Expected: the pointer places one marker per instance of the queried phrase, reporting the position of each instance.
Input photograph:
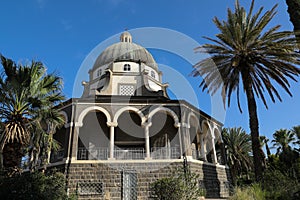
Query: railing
(57, 156)
(165, 153)
(92, 154)
(128, 154)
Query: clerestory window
(152, 74)
(127, 67)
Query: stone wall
(104, 180)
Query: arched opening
(60, 145)
(219, 146)
(194, 131)
(60, 138)
(203, 143)
(129, 137)
(164, 137)
(93, 140)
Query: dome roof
(125, 51)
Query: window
(127, 67)
(99, 72)
(90, 187)
(127, 90)
(152, 74)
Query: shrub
(179, 186)
(33, 186)
(252, 192)
(280, 186)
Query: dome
(125, 51)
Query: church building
(124, 132)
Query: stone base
(108, 178)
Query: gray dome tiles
(125, 51)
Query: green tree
(42, 140)
(27, 93)
(264, 142)
(238, 149)
(34, 186)
(246, 55)
(296, 132)
(282, 140)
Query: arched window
(127, 67)
(152, 74)
(99, 72)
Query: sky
(63, 33)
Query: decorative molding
(130, 108)
(92, 108)
(146, 124)
(112, 124)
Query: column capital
(146, 124)
(77, 124)
(177, 125)
(112, 124)
(185, 125)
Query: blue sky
(62, 33)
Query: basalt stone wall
(106, 181)
(215, 179)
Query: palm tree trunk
(12, 155)
(294, 12)
(253, 122)
(267, 149)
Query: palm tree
(282, 140)
(26, 94)
(294, 12)
(245, 54)
(238, 149)
(43, 142)
(264, 142)
(296, 132)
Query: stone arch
(93, 108)
(128, 108)
(206, 128)
(164, 134)
(168, 111)
(129, 134)
(93, 133)
(193, 138)
(219, 145)
(217, 134)
(204, 143)
(60, 136)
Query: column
(186, 139)
(180, 138)
(147, 140)
(214, 156)
(112, 126)
(202, 148)
(74, 144)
